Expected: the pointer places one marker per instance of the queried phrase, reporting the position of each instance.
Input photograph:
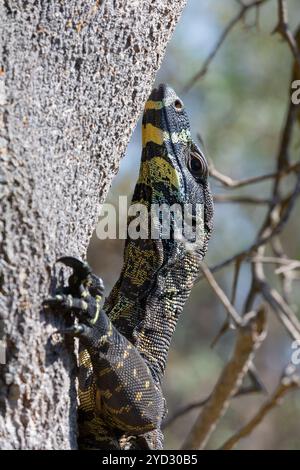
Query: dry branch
(283, 29)
(232, 23)
(288, 382)
(198, 404)
(225, 198)
(233, 184)
(221, 295)
(278, 213)
(249, 337)
(268, 230)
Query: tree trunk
(74, 78)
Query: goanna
(124, 344)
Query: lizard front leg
(125, 394)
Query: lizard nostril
(178, 105)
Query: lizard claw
(75, 330)
(67, 302)
(82, 274)
(82, 269)
(82, 296)
(84, 332)
(53, 301)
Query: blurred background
(238, 108)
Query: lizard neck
(163, 307)
(148, 316)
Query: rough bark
(74, 77)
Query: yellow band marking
(151, 133)
(158, 169)
(153, 105)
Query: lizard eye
(197, 164)
(178, 104)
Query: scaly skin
(124, 346)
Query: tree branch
(288, 382)
(230, 183)
(198, 404)
(232, 23)
(225, 198)
(283, 29)
(249, 337)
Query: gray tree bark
(74, 77)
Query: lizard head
(173, 168)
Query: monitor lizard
(124, 343)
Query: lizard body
(124, 345)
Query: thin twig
(225, 198)
(285, 314)
(289, 267)
(237, 271)
(277, 215)
(262, 240)
(231, 183)
(240, 15)
(249, 338)
(286, 279)
(283, 29)
(288, 382)
(221, 295)
(198, 404)
(273, 260)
